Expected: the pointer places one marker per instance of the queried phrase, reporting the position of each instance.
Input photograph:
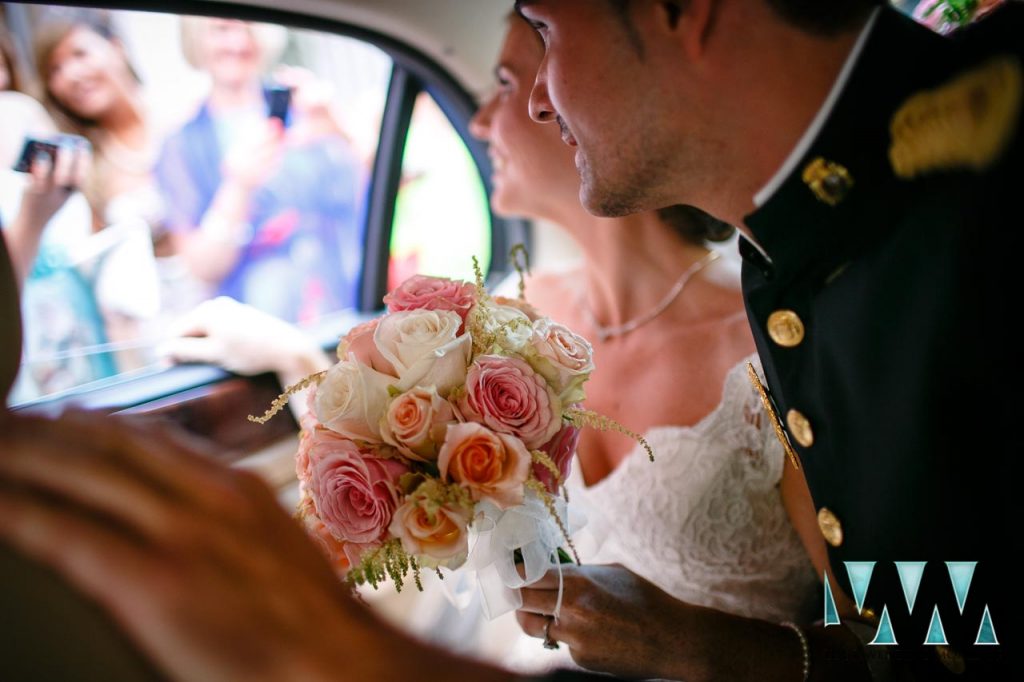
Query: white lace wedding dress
(704, 521)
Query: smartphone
(279, 98)
(34, 146)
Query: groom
(868, 164)
(871, 167)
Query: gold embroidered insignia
(967, 122)
(780, 432)
(829, 181)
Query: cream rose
(351, 398)
(563, 357)
(492, 466)
(437, 536)
(415, 423)
(425, 348)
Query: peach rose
(425, 348)
(415, 423)
(351, 398)
(354, 492)
(492, 466)
(560, 449)
(564, 358)
(508, 396)
(519, 304)
(421, 292)
(436, 535)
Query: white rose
(424, 348)
(514, 324)
(563, 357)
(351, 399)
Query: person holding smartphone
(249, 211)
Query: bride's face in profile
(533, 171)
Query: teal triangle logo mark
(910, 578)
(831, 612)
(860, 576)
(986, 633)
(936, 633)
(961, 573)
(884, 636)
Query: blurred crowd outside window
(227, 158)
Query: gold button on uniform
(830, 527)
(800, 428)
(786, 328)
(953, 661)
(829, 181)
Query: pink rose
(334, 549)
(359, 342)
(436, 535)
(490, 465)
(564, 358)
(303, 471)
(355, 493)
(507, 396)
(415, 423)
(421, 292)
(560, 449)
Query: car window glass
(243, 172)
(441, 218)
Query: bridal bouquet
(455, 413)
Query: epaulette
(965, 123)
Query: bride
(711, 521)
(719, 525)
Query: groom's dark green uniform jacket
(883, 296)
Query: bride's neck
(630, 263)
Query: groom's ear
(10, 327)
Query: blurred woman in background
(92, 90)
(263, 209)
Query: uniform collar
(794, 228)
(766, 192)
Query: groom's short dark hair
(824, 17)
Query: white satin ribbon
(497, 534)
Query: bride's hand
(616, 621)
(244, 340)
(612, 620)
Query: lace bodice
(705, 520)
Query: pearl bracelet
(804, 646)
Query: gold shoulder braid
(780, 432)
(965, 123)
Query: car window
(442, 219)
(229, 158)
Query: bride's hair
(694, 225)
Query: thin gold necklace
(606, 332)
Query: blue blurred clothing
(304, 256)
